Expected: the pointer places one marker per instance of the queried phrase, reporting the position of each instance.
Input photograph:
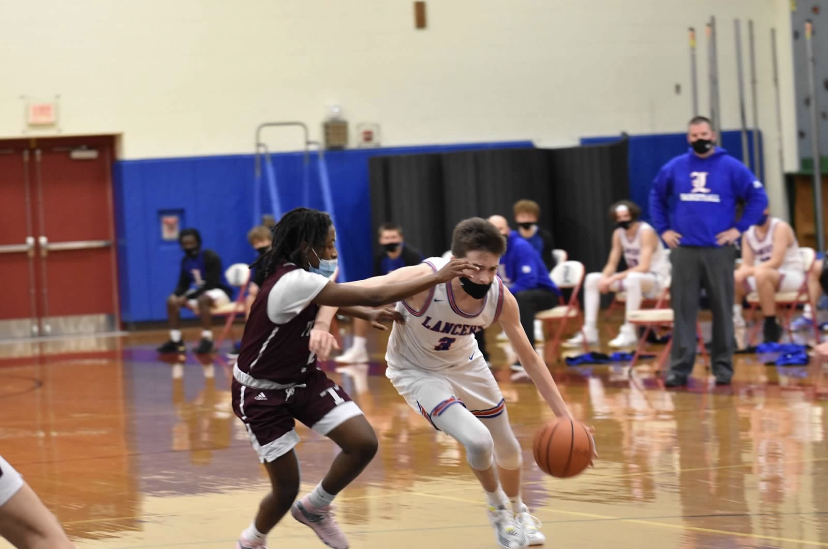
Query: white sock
(320, 498)
(175, 335)
(252, 534)
(359, 343)
(807, 313)
(592, 300)
(737, 310)
(207, 334)
(497, 498)
(517, 504)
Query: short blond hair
(526, 207)
(259, 233)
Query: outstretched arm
(529, 359)
(383, 293)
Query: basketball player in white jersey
(648, 272)
(771, 263)
(434, 363)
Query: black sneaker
(171, 347)
(205, 346)
(771, 331)
(720, 381)
(675, 381)
(234, 354)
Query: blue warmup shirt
(200, 274)
(705, 191)
(522, 268)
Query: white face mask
(326, 268)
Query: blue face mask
(326, 268)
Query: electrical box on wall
(336, 134)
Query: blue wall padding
(648, 153)
(215, 195)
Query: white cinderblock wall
(194, 77)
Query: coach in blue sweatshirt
(524, 273)
(703, 185)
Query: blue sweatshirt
(705, 192)
(522, 268)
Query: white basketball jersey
(659, 262)
(763, 249)
(440, 334)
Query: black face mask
(191, 252)
(477, 291)
(702, 146)
(263, 250)
(623, 224)
(391, 246)
(526, 226)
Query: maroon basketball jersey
(275, 341)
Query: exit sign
(41, 114)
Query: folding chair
(787, 300)
(559, 255)
(567, 274)
(659, 317)
(620, 300)
(238, 276)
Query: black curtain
(428, 194)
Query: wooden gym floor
(131, 452)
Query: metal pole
(711, 74)
(778, 104)
(718, 121)
(809, 48)
(694, 85)
(757, 156)
(740, 76)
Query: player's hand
(728, 237)
(322, 342)
(591, 431)
(454, 268)
(671, 238)
(385, 313)
(604, 284)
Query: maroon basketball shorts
(269, 414)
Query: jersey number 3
(445, 343)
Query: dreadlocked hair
(297, 226)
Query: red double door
(57, 237)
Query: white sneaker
(508, 533)
(353, 355)
(538, 331)
(578, 340)
(626, 338)
(530, 526)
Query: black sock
(771, 330)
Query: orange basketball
(562, 448)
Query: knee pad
(634, 278)
(479, 450)
(592, 279)
(508, 454)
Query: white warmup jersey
(659, 262)
(440, 335)
(763, 249)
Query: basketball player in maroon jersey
(276, 379)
